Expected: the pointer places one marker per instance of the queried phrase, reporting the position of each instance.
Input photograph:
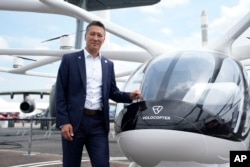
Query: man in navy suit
(85, 83)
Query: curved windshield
(172, 77)
(194, 77)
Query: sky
(175, 23)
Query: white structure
(204, 28)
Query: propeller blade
(51, 39)
(25, 58)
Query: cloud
(162, 5)
(193, 41)
(3, 43)
(24, 42)
(1, 80)
(172, 3)
(229, 17)
(166, 31)
(116, 46)
(153, 20)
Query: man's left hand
(135, 95)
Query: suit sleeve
(115, 93)
(61, 93)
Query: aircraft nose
(162, 115)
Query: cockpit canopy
(194, 77)
(194, 86)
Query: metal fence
(33, 135)
(22, 131)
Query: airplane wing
(28, 105)
(26, 93)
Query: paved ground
(11, 158)
(43, 148)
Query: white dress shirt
(94, 82)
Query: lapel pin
(106, 61)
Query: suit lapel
(82, 67)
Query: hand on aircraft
(135, 95)
(67, 132)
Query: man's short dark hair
(95, 23)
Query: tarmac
(11, 158)
(43, 148)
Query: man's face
(94, 38)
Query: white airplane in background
(27, 109)
(194, 117)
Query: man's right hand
(67, 132)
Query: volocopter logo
(157, 109)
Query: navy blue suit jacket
(71, 89)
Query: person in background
(85, 83)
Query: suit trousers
(91, 134)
